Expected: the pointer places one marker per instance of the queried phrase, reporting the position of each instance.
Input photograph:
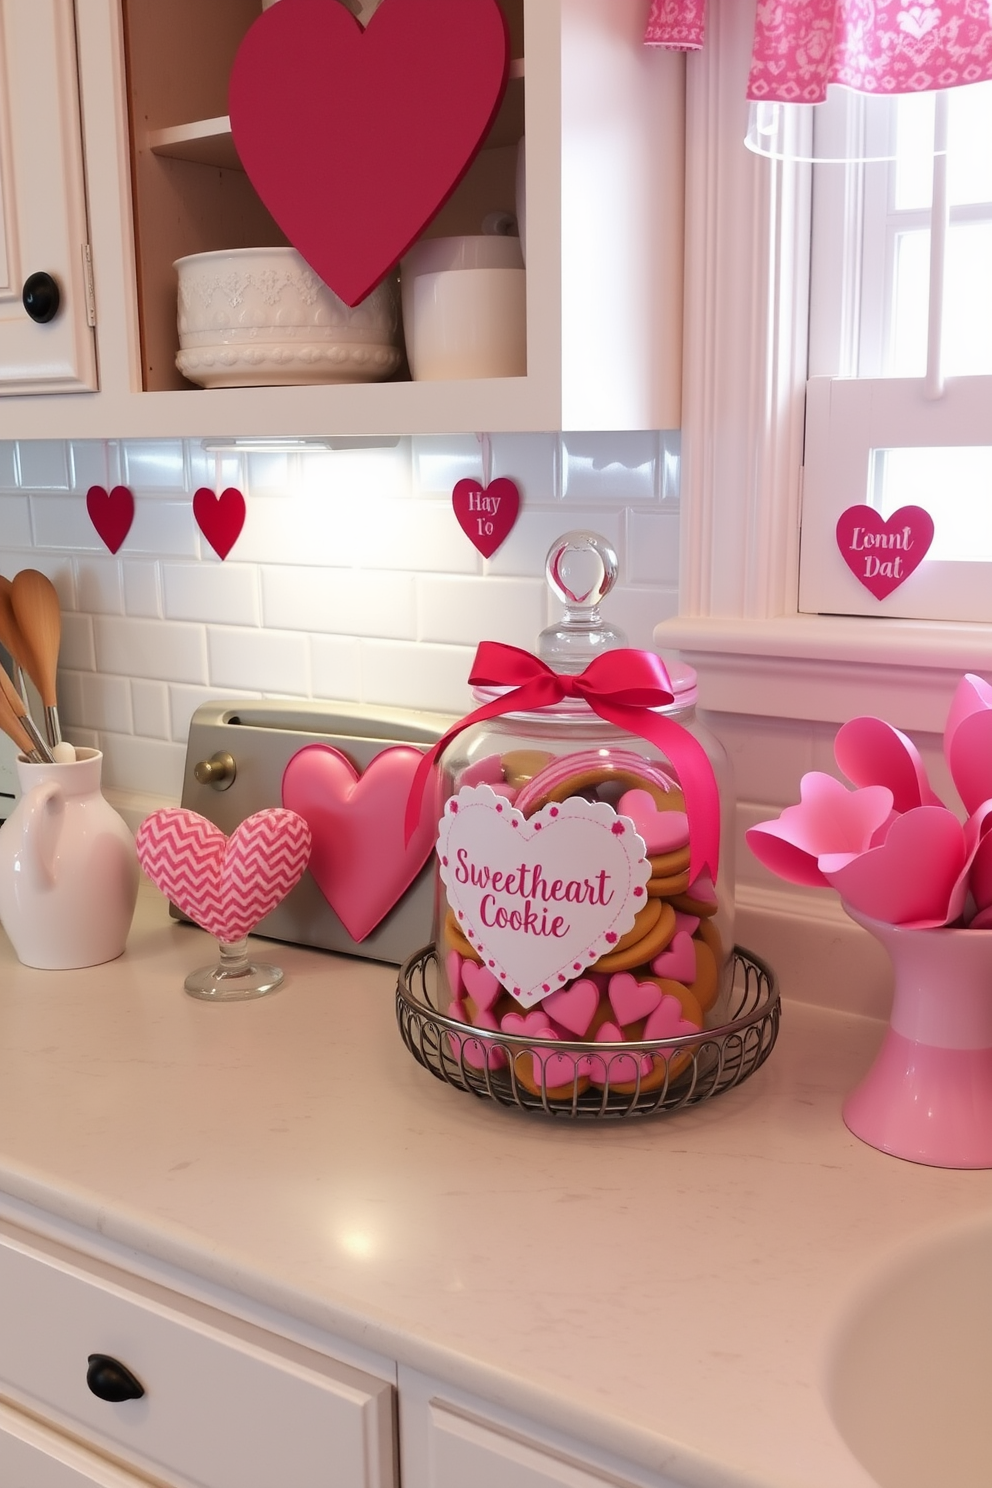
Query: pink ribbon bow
(623, 687)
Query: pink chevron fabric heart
(360, 860)
(224, 884)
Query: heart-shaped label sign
(360, 860)
(486, 513)
(225, 884)
(540, 897)
(220, 518)
(882, 554)
(355, 138)
(111, 513)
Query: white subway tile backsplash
(638, 611)
(94, 462)
(77, 649)
(154, 465)
(63, 522)
(524, 551)
(652, 548)
(165, 529)
(467, 611)
(422, 536)
(15, 524)
(145, 765)
(416, 675)
(42, 465)
(532, 461)
(336, 668)
(225, 593)
(150, 709)
(214, 469)
(99, 586)
(106, 703)
(8, 465)
(611, 467)
(142, 588)
(270, 661)
(439, 462)
(296, 530)
(345, 601)
(70, 698)
(166, 650)
(357, 475)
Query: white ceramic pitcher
(68, 868)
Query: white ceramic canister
(68, 868)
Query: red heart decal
(360, 861)
(355, 138)
(486, 513)
(882, 555)
(220, 518)
(111, 513)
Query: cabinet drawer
(225, 1405)
(33, 1457)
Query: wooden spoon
(10, 635)
(12, 726)
(38, 749)
(39, 618)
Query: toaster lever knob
(219, 771)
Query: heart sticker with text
(111, 513)
(882, 554)
(355, 138)
(220, 518)
(541, 897)
(486, 513)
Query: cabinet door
(42, 200)
(33, 1457)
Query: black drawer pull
(111, 1380)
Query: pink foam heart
(618, 1069)
(830, 819)
(663, 831)
(354, 139)
(111, 513)
(573, 1007)
(678, 963)
(481, 985)
(631, 999)
(872, 752)
(225, 884)
(915, 877)
(667, 1021)
(219, 518)
(486, 513)
(882, 554)
(360, 861)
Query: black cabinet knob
(111, 1380)
(40, 297)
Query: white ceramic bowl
(257, 316)
(464, 323)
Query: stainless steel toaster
(235, 759)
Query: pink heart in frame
(111, 513)
(486, 514)
(882, 554)
(219, 518)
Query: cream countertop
(663, 1289)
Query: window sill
(829, 668)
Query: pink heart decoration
(882, 554)
(829, 820)
(968, 741)
(872, 752)
(573, 1007)
(619, 1069)
(481, 985)
(476, 1052)
(667, 1022)
(225, 884)
(220, 518)
(678, 963)
(631, 999)
(915, 877)
(354, 139)
(111, 513)
(360, 861)
(552, 1071)
(486, 514)
(663, 831)
(528, 1025)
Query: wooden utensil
(37, 612)
(10, 636)
(38, 749)
(12, 726)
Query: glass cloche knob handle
(581, 569)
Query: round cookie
(521, 765)
(655, 941)
(706, 930)
(665, 864)
(644, 922)
(666, 888)
(703, 908)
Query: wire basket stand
(696, 1067)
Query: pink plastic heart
(663, 831)
(111, 513)
(224, 884)
(219, 518)
(872, 752)
(480, 984)
(573, 1007)
(486, 514)
(631, 999)
(360, 861)
(915, 877)
(354, 139)
(678, 963)
(882, 554)
(830, 819)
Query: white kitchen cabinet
(32, 1456)
(602, 116)
(42, 203)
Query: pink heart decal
(914, 877)
(220, 518)
(360, 861)
(663, 831)
(573, 1007)
(631, 999)
(354, 139)
(678, 963)
(481, 985)
(882, 554)
(225, 884)
(486, 513)
(111, 513)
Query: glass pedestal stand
(235, 978)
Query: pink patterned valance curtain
(873, 46)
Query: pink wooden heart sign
(111, 513)
(360, 860)
(219, 518)
(486, 513)
(355, 138)
(882, 554)
(225, 884)
(540, 897)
